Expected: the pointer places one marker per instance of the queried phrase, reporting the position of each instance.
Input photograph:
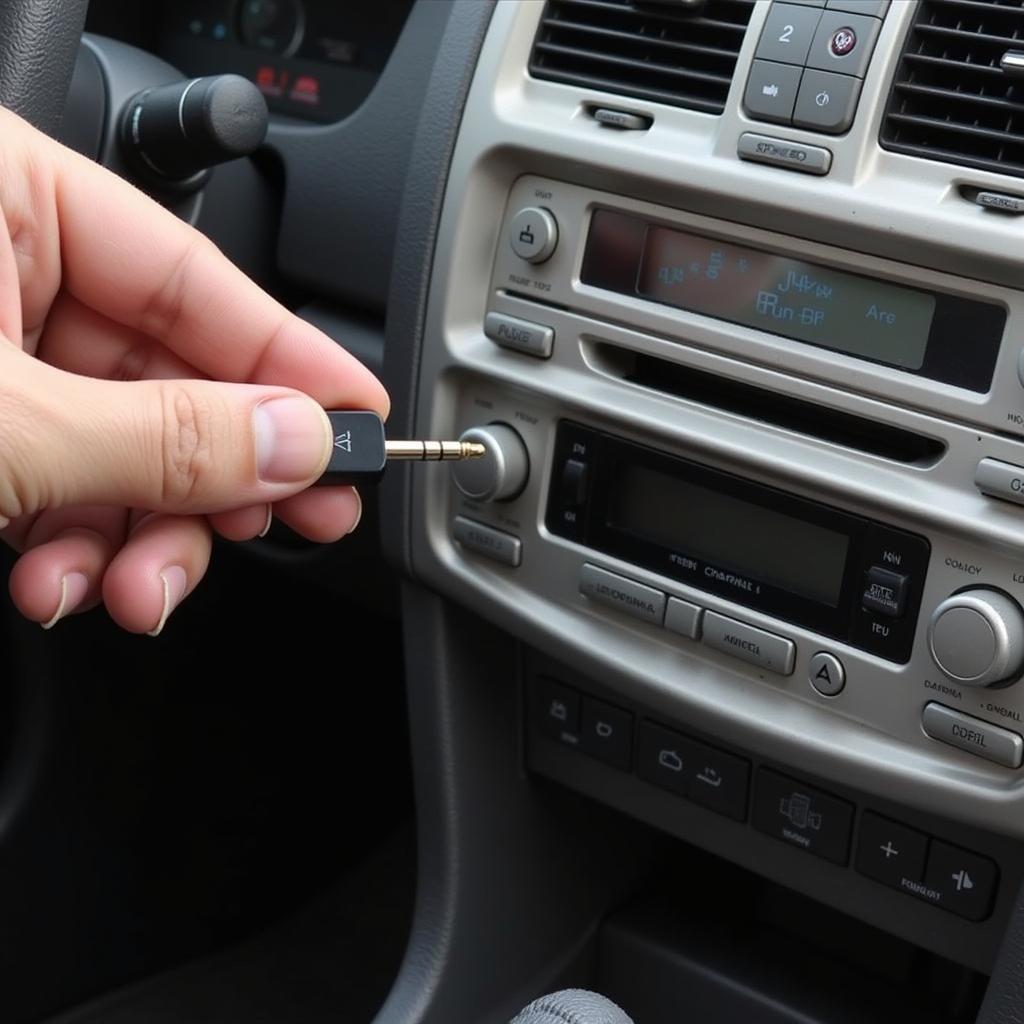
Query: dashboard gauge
(275, 26)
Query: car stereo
(800, 561)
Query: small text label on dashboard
(1001, 711)
(944, 688)
(965, 567)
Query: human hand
(150, 393)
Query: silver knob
(533, 234)
(502, 473)
(977, 637)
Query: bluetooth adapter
(360, 452)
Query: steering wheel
(38, 47)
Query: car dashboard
(717, 653)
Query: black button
(556, 710)
(885, 592)
(718, 780)
(960, 881)
(575, 478)
(664, 757)
(802, 816)
(890, 853)
(607, 733)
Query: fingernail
(73, 588)
(291, 440)
(175, 581)
(268, 523)
(359, 511)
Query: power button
(533, 234)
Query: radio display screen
(852, 314)
(800, 557)
(933, 334)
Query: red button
(843, 42)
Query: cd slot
(764, 406)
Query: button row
(783, 807)
(785, 94)
(831, 40)
(710, 777)
(810, 63)
(757, 646)
(594, 726)
(905, 859)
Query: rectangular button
(1001, 201)
(620, 119)
(959, 881)
(1000, 480)
(607, 733)
(717, 780)
(843, 43)
(759, 647)
(521, 335)
(802, 816)
(683, 618)
(771, 91)
(826, 102)
(870, 8)
(794, 156)
(555, 710)
(885, 592)
(787, 33)
(575, 481)
(663, 757)
(486, 540)
(624, 595)
(973, 735)
(890, 853)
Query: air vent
(950, 99)
(674, 53)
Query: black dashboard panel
(312, 59)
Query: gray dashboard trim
(426, 182)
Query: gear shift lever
(572, 1006)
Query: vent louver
(950, 99)
(655, 51)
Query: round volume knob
(533, 234)
(502, 473)
(977, 637)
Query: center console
(750, 375)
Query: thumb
(187, 446)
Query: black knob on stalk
(173, 134)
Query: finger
(173, 446)
(243, 523)
(31, 247)
(80, 340)
(31, 531)
(61, 576)
(156, 569)
(323, 515)
(131, 260)
(10, 289)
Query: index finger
(127, 257)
